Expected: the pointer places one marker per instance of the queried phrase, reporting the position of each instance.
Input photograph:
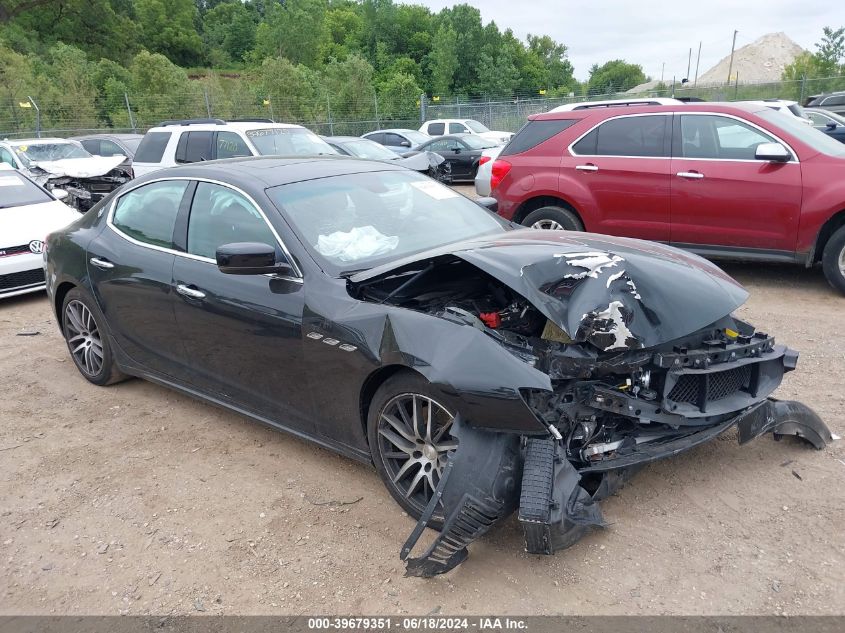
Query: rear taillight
(483, 159)
(500, 170)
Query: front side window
(710, 136)
(365, 148)
(92, 145)
(395, 140)
(457, 128)
(818, 119)
(17, 191)
(110, 148)
(640, 136)
(438, 146)
(357, 221)
(231, 145)
(220, 215)
(148, 213)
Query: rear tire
(833, 260)
(408, 454)
(553, 218)
(84, 329)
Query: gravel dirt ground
(136, 499)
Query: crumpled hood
(616, 293)
(80, 167)
(421, 161)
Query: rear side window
(92, 145)
(535, 132)
(194, 147)
(436, 129)
(627, 136)
(152, 147)
(17, 191)
(148, 213)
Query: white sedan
(485, 170)
(28, 213)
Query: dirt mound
(761, 61)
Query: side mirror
(772, 152)
(60, 194)
(249, 258)
(457, 150)
(405, 144)
(831, 125)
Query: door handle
(101, 263)
(187, 291)
(690, 174)
(587, 167)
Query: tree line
(301, 58)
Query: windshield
(357, 221)
(366, 148)
(415, 137)
(288, 141)
(49, 151)
(816, 139)
(797, 110)
(132, 143)
(476, 126)
(17, 191)
(476, 142)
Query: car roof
(241, 126)
(123, 136)
(343, 139)
(37, 141)
(447, 120)
(397, 130)
(706, 106)
(262, 172)
(587, 105)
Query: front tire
(408, 432)
(833, 260)
(83, 326)
(553, 218)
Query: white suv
(178, 142)
(439, 127)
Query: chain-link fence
(26, 115)
(509, 114)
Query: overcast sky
(648, 32)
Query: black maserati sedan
(480, 366)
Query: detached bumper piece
(478, 488)
(488, 476)
(554, 510)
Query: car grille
(14, 250)
(718, 384)
(15, 281)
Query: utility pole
(731, 65)
(689, 62)
(662, 69)
(697, 61)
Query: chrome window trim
(794, 154)
(281, 244)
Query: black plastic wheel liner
(479, 487)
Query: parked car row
(738, 180)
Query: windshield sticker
(23, 148)
(10, 181)
(435, 190)
(273, 131)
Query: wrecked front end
(644, 360)
(86, 180)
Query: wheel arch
(833, 224)
(537, 202)
(58, 301)
(371, 385)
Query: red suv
(721, 180)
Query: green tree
(294, 30)
(399, 97)
(831, 51)
(614, 76)
(552, 57)
(161, 90)
(168, 27)
(229, 28)
(443, 61)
